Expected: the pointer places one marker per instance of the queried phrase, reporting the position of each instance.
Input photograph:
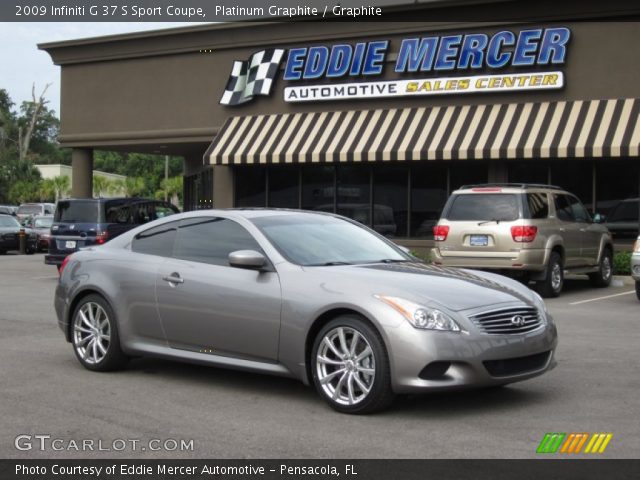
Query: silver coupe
(313, 296)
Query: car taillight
(440, 233)
(102, 237)
(524, 234)
(63, 264)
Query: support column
(82, 173)
(223, 185)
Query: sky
(22, 63)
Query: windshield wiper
(328, 264)
(393, 260)
(497, 220)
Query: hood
(455, 289)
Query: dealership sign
(431, 65)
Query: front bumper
(523, 260)
(424, 360)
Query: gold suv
(535, 232)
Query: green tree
(61, 187)
(173, 188)
(101, 185)
(134, 186)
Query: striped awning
(575, 129)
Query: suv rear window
(30, 209)
(491, 206)
(78, 211)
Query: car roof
(508, 188)
(256, 212)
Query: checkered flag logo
(252, 77)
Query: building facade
(377, 121)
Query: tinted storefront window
(533, 171)
(284, 187)
(318, 188)
(354, 193)
(250, 183)
(576, 177)
(468, 172)
(390, 200)
(428, 196)
(618, 196)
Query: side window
(119, 214)
(164, 210)
(564, 211)
(538, 205)
(211, 240)
(156, 241)
(579, 212)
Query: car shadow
(440, 404)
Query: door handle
(173, 278)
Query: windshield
(8, 222)
(472, 207)
(29, 209)
(313, 240)
(77, 212)
(43, 222)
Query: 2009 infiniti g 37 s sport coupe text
(307, 295)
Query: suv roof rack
(512, 185)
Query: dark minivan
(93, 221)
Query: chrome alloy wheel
(345, 366)
(606, 268)
(91, 333)
(556, 276)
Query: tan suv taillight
(524, 234)
(440, 233)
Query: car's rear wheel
(94, 334)
(350, 366)
(552, 284)
(602, 278)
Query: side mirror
(249, 259)
(599, 218)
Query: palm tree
(101, 185)
(134, 186)
(173, 189)
(60, 186)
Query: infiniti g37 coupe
(312, 296)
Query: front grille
(515, 366)
(508, 320)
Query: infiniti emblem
(517, 320)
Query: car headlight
(420, 316)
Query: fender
(553, 241)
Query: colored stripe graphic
(572, 443)
(550, 442)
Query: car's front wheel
(350, 366)
(94, 334)
(602, 278)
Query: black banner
(320, 469)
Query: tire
(3, 252)
(552, 284)
(365, 384)
(638, 289)
(103, 354)
(602, 278)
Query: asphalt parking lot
(228, 414)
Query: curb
(622, 280)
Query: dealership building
(378, 121)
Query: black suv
(93, 221)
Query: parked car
(10, 235)
(31, 209)
(635, 265)
(538, 232)
(623, 220)
(8, 210)
(313, 296)
(83, 222)
(41, 225)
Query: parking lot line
(602, 298)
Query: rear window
(78, 212)
(8, 222)
(30, 209)
(43, 222)
(479, 207)
(538, 204)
